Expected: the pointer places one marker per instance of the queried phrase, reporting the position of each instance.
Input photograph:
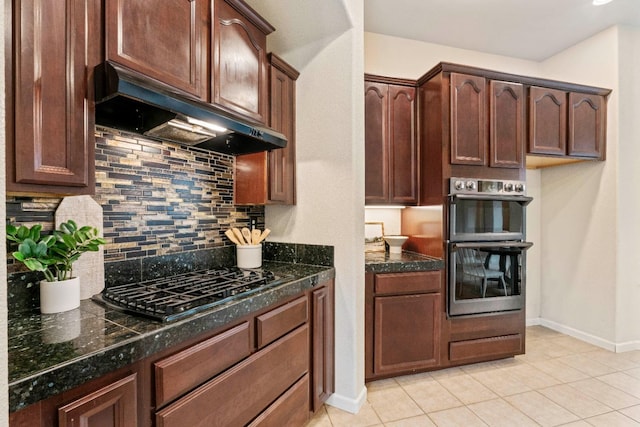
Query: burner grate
(177, 296)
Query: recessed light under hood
(129, 101)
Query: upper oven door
(482, 217)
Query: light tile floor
(559, 381)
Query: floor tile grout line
(541, 342)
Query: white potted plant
(54, 255)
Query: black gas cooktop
(171, 298)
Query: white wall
(580, 227)
(4, 390)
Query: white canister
(249, 256)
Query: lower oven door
(486, 277)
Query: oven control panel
(486, 186)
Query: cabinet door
(166, 41)
(506, 130)
(403, 176)
(406, 332)
(468, 125)
(587, 119)
(270, 177)
(547, 121)
(376, 162)
(53, 119)
(239, 75)
(322, 381)
(112, 406)
(282, 162)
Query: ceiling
(527, 29)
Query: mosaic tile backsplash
(157, 199)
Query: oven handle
(507, 245)
(523, 200)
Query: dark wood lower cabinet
(322, 324)
(109, 401)
(402, 316)
(407, 328)
(407, 333)
(289, 410)
(271, 368)
(237, 396)
(114, 405)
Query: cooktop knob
(471, 185)
(520, 188)
(509, 186)
(459, 185)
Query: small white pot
(56, 297)
(249, 256)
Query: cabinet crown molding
(447, 67)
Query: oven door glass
(482, 217)
(486, 277)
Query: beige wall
(397, 57)
(579, 274)
(628, 260)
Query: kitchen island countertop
(384, 262)
(49, 354)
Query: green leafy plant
(53, 254)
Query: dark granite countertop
(384, 262)
(49, 354)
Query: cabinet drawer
(506, 345)
(292, 408)
(189, 368)
(277, 322)
(402, 283)
(241, 393)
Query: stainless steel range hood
(128, 101)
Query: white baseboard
(347, 404)
(533, 322)
(627, 346)
(586, 337)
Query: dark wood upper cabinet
(587, 125)
(468, 123)
(166, 41)
(547, 121)
(567, 123)
(270, 177)
(282, 162)
(50, 116)
(391, 174)
(506, 129)
(376, 123)
(403, 175)
(239, 76)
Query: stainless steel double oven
(486, 246)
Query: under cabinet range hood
(129, 101)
